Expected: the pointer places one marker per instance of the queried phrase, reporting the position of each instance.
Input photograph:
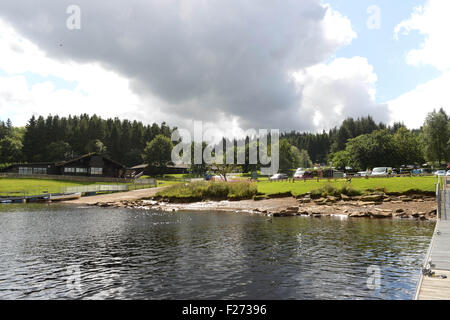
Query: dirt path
(113, 197)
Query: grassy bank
(36, 186)
(202, 190)
(32, 186)
(388, 185)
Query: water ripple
(57, 252)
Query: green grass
(32, 186)
(202, 190)
(36, 186)
(389, 185)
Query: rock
(407, 199)
(305, 200)
(285, 213)
(383, 210)
(316, 215)
(372, 198)
(303, 213)
(400, 215)
(380, 214)
(359, 214)
(396, 201)
(345, 197)
(387, 199)
(415, 214)
(331, 198)
(399, 210)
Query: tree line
(359, 143)
(56, 139)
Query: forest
(361, 142)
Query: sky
(302, 65)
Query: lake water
(65, 252)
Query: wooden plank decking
(436, 287)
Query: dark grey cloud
(205, 59)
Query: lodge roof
(63, 163)
(178, 166)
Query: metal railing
(96, 188)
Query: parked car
(362, 174)
(299, 174)
(279, 176)
(381, 171)
(439, 173)
(448, 173)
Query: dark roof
(178, 166)
(63, 163)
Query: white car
(440, 173)
(362, 173)
(279, 176)
(299, 174)
(448, 173)
(381, 171)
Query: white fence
(149, 181)
(97, 188)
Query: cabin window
(97, 171)
(40, 170)
(69, 170)
(24, 170)
(81, 170)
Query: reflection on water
(62, 252)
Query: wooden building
(89, 165)
(171, 169)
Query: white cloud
(412, 107)
(228, 66)
(431, 21)
(343, 88)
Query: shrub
(210, 190)
(331, 190)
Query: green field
(36, 186)
(17, 187)
(389, 185)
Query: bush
(331, 190)
(202, 190)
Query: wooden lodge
(171, 169)
(89, 165)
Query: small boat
(65, 196)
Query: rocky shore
(374, 206)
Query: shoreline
(418, 207)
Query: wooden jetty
(434, 283)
